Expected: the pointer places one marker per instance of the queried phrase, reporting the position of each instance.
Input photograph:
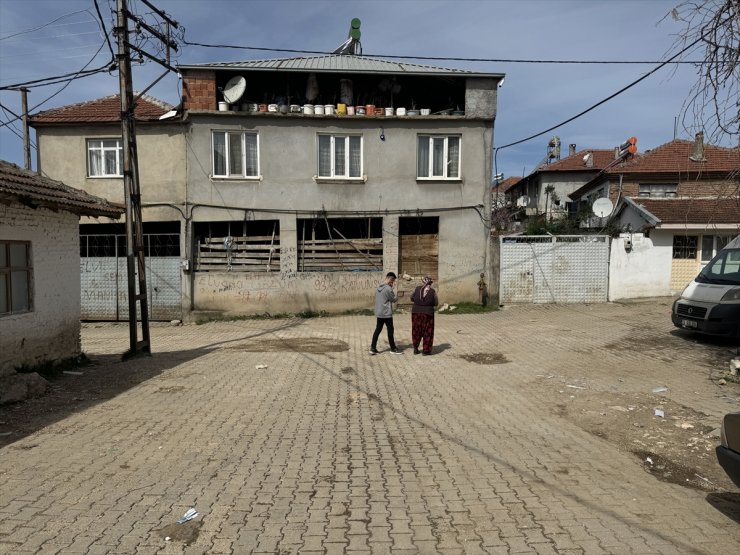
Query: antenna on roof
(352, 45)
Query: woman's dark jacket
(423, 305)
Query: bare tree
(712, 104)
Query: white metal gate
(104, 283)
(554, 269)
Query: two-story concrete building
(295, 184)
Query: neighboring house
(81, 145)
(679, 204)
(501, 204)
(279, 208)
(530, 195)
(40, 266)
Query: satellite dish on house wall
(602, 207)
(234, 89)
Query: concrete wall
(161, 154)
(288, 165)
(52, 330)
(644, 271)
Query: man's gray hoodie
(384, 296)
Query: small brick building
(40, 266)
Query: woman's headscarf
(427, 281)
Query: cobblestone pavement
(330, 450)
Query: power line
(58, 78)
(105, 31)
(435, 58)
(44, 25)
(594, 106)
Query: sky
(43, 38)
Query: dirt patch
(314, 345)
(486, 358)
(348, 370)
(187, 532)
(171, 389)
(669, 471)
(681, 447)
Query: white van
(711, 302)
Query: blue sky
(534, 97)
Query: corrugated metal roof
(33, 189)
(340, 64)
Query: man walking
(384, 299)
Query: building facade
(286, 198)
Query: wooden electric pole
(134, 229)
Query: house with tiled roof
(545, 191)
(295, 184)
(81, 145)
(40, 267)
(681, 200)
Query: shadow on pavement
(726, 503)
(105, 378)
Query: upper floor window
(658, 190)
(15, 277)
(340, 156)
(104, 158)
(438, 157)
(235, 154)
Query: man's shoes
(396, 352)
(416, 351)
(373, 351)
(426, 353)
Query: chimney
(589, 159)
(571, 149)
(616, 152)
(698, 154)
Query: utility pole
(26, 137)
(135, 261)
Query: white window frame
(445, 161)
(227, 161)
(332, 146)
(100, 147)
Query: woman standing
(422, 316)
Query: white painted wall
(52, 330)
(644, 271)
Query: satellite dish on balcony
(234, 89)
(602, 207)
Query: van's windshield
(723, 269)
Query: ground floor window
(340, 244)
(712, 244)
(16, 274)
(239, 246)
(684, 247)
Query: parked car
(728, 452)
(710, 304)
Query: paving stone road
(329, 450)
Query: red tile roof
(673, 157)
(575, 162)
(102, 110)
(35, 190)
(505, 185)
(693, 211)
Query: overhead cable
(437, 58)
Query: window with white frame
(15, 277)
(438, 157)
(104, 158)
(658, 190)
(235, 154)
(340, 156)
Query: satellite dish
(234, 89)
(602, 207)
